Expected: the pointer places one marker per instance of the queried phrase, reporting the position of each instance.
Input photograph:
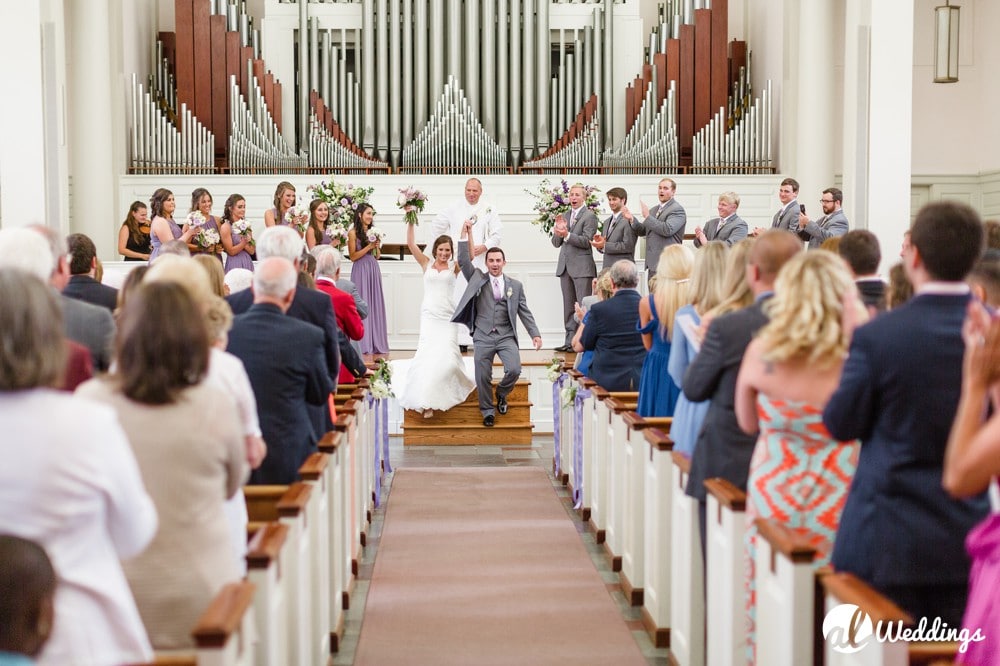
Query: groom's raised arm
(465, 252)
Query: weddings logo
(849, 629)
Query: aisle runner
(483, 566)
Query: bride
(437, 377)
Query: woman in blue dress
(657, 391)
(707, 278)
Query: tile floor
(538, 454)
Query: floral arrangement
(195, 219)
(297, 217)
(380, 384)
(567, 395)
(410, 196)
(553, 201)
(207, 238)
(242, 227)
(343, 200)
(554, 369)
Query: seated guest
(82, 284)
(187, 439)
(175, 246)
(602, 291)
(349, 287)
(900, 531)
(132, 281)
(286, 377)
(348, 320)
(984, 279)
(799, 475)
(706, 292)
(612, 331)
(213, 271)
(657, 391)
(70, 484)
(89, 325)
(27, 600)
(238, 279)
(860, 249)
(900, 288)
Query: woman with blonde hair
(603, 290)
(706, 293)
(657, 391)
(736, 292)
(798, 473)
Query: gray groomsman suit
(620, 239)
(576, 268)
(734, 229)
(664, 226)
(787, 218)
(828, 226)
(493, 324)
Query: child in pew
(798, 474)
(27, 600)
(189, 446)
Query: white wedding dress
(437, 377)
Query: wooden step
(464, 413)
(509, 432)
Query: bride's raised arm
(415, 250)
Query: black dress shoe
(463, 348)
(564, 348)
(488, 421)
(502, 404)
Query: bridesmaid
(133, 236)
(163, 229)
(238, 246)
(284, 198)
(201, 201)
(367, 276)
(318, 231)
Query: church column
(91, 125)
(878, 119)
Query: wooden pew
(315, 472)
(268, 550)
(725, 573)
(289, 505)
(618, 405)
(569, 426)
(339, 536)
(599, 478)
(844, 588)
(565, 431)
(588, 425)
(657, 514)
(687, 587)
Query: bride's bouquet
(552, 202)
(297, 217)
(410, 196)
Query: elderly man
(613, 335)
(572, 234)
(284, 360)
(728, 227)
(344, 307)
(662, 225)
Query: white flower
(196, 219)
(567, 395)
(241, 226)
(374, 233)
(379, 388)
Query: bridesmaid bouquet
(208, 239)
(297, 217)
(410, 196)
(375, 234)
(195, 219)
(552, 202)
(242, 227)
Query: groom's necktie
(496, 288)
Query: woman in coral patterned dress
(799, 475)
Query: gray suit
(576, 268)
(620, 241)
(493, 325)
(734, 230)
(90, 325)
(828, 226)
(664, 226)
(787, 218)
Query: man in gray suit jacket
(490, 306)
(618, 240)
(662, 225)
(728, 227)
(833, 223)
(787, 217)
(576, 268)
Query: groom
(490, 307)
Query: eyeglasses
(826, 200)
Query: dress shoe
(463, 348)
(564, 348)
(488, 421)
(502, 404)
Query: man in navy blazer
(284, 360)
(900, 531)
(612, 333)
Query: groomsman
(662, 225)
(618, 240)
(787, 217)
(575, 269)
(728, 227)
(833, 223)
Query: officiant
(486, 234)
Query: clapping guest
(69, 483)
(657, 391)
(706, 292)
(799, 474)
(612, 332)
(366, 274)
(163, 229)
(133, 235)
(188, 441)
(239, 244)
(603, 290)
(348, 320)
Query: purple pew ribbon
(581, 395)
(556, 413)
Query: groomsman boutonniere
(510, 292)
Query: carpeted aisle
(483, 566)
